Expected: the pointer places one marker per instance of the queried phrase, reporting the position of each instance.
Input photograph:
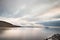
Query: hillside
(6, 24)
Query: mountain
(6, 24)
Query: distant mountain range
(51, 23)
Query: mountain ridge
(7, 24)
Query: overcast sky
(28, 12)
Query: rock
(54, 37)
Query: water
(29, 33)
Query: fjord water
(29, 33)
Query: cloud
(55, 23)
(52, 23)
(17, 8)
(20, 22)
(28, 12)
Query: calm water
(29, 33)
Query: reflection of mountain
(52, 23)
(6, 24)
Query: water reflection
(57, 30)
(29, 33)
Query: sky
(29, 12)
